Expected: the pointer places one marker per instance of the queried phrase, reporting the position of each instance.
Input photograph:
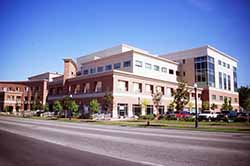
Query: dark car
(242, 117)
(230, 114)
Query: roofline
(134, 51)
(71, 60)
(43, 74)
(202, 47)
(25, 81)
(157, 57)
(223, 53)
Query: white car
(207, 116)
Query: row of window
(108, 67)
(17, 89)
(13, 98)
(221, 98)
(137, 88)
(224, 64)
(149, 66)
(225, 82)
(84, 88)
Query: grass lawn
(171, 124)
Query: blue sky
(36, 35)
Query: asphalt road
(38, 142)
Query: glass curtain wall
(204, 71)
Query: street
(39, 142)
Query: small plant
(94, 106)
(46, 107)
(213, 106)
(205, 105)
(57, 107)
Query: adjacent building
(22, 95)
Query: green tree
(144, 104)
(181, 96)
(213, 106)
(36, 105)
(244, 97)
(205, 105)
(94, 106)
(225, 104)
(70, 105)
(190, 106)
(57, 106)
(73, 107)
(156, 97)
(108, 102)
(171, 106)
(46, 107)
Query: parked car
(208, 116)
(242, 117)
(183, 114)
(230, 114)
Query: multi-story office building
(130, 74)
(212, 70)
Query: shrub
(147, 117)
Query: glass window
(214, 97)
(224, 64)
(204, 71)
(228, 66)
(219, 62)
(85, 72)
(220, 80)
(229, 82)
(123, 85)
(149, 109)
(148, 66)
(100, 69)
(122, 109)
(92, 70)
(149, 88)
(108, 67)
(117, 65)
(136, 109)
(156, 68)
(183, 61)
(171, 71)
(164, 69)
(221, 98)
(138, 63)
(137, 87)
(235, 78)
(225, 81)
(98, 86)
(127, 64)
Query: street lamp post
(196, 109)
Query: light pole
(196, 109)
